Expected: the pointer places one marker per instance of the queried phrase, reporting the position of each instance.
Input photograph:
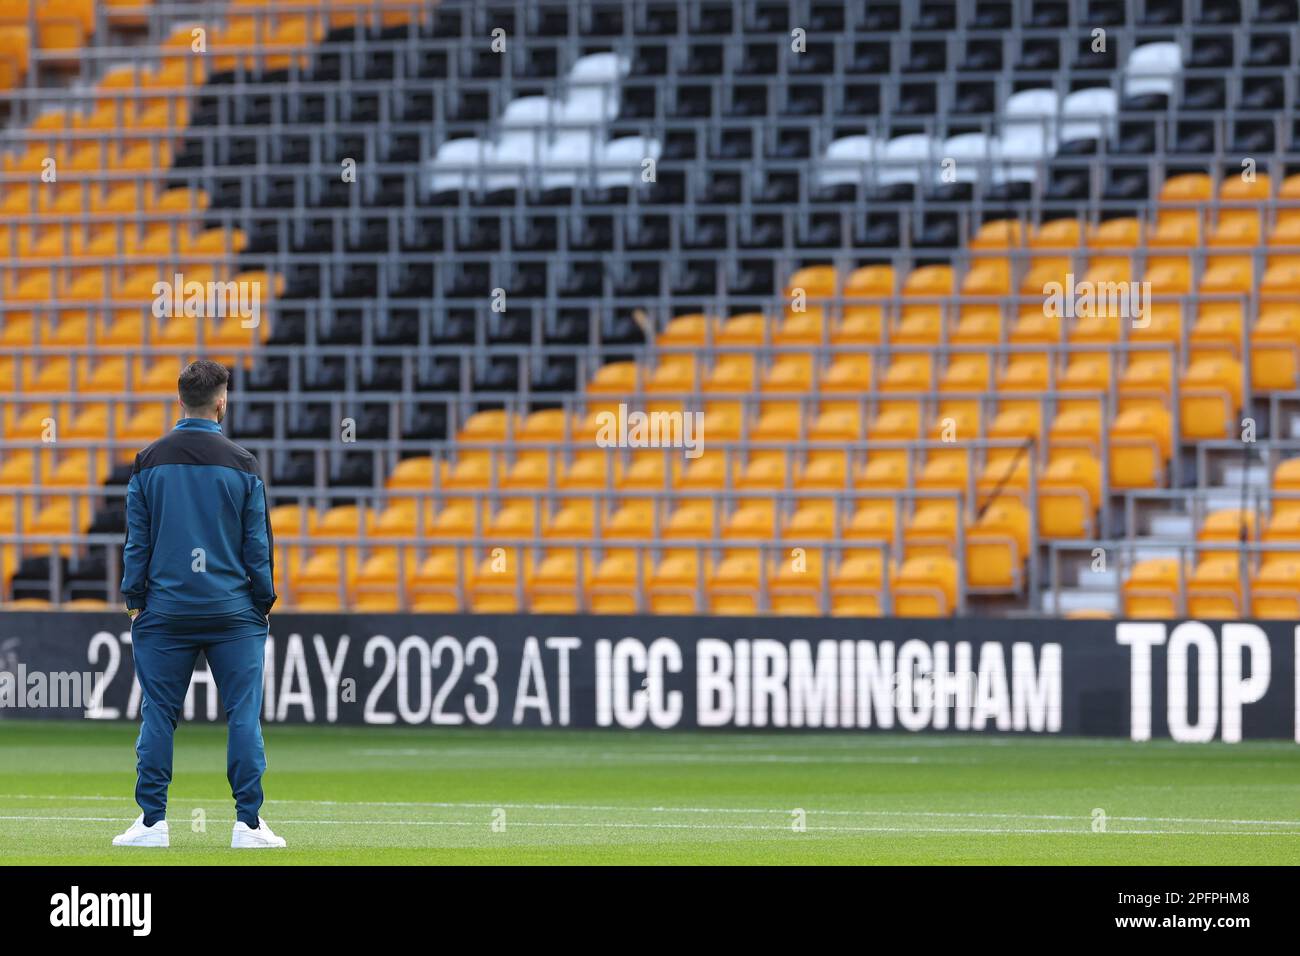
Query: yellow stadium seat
(1140, 444)
(850, 373)
(528, 474)
(1286, 228)
(673, 374)
(290, 522)
(751, 520)
(555, 587)
(998, 234)
(692, 520)
(1146, 382)
(1281, 278)
(1191, 187)
(1239, 189)
(805, 326)
(1283, 527)
(1275, 344)
(1020, 423)
(590, 471)
(1003, 474)
(1217, 332)
(1227, 526)
(1236, 228)
(931, 530)
(824, 471)
(616, 583)
(631, 520)
(576, 519)
(676, 584)
(816, 282)
(456, 519)
(1057, 234)
(857, 586)
(1075, 431)
(1211, 391)
(439, 582)
(926, 587)
(686, 330)
(979, 324)
(748, 328)
(517, 519)
(1214, 591)
(417, 474)
(909, 373)
(723, 423)
(1123, 233)
(996, 546)
(777, 421)
(652, 470)
(326, 581)
(1151, 589)
(15, 54)
(1086, 372)
(474, 471)
(883, 472)
(1274, 594)
(612, 379)
(1286, 485)
(1025, 373)
(23, 469)
(734, 586)
(500, 582)
(380, 582)
(837, 425)
(872, 521)
(1169, 275)
(763, 472)
(1068, 494)
(1176, 228)
(1227, 274)
(797, 584)
(147, 423)
(731, 373)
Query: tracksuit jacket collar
(199, 424)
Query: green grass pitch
(421, 796)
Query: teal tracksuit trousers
(165, 650)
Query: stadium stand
(976, 307)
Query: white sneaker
(140, 835)
(262, 838)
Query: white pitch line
(615, 808)
(659, 756)
(746, 827)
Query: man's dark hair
(201, 382)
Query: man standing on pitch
(198, 575)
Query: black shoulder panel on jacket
(184, 447)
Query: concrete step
(1090, 580)
(1075, 599)
(1226, 499)
(1150, 550)
(1256, 475)
(1171, 525)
